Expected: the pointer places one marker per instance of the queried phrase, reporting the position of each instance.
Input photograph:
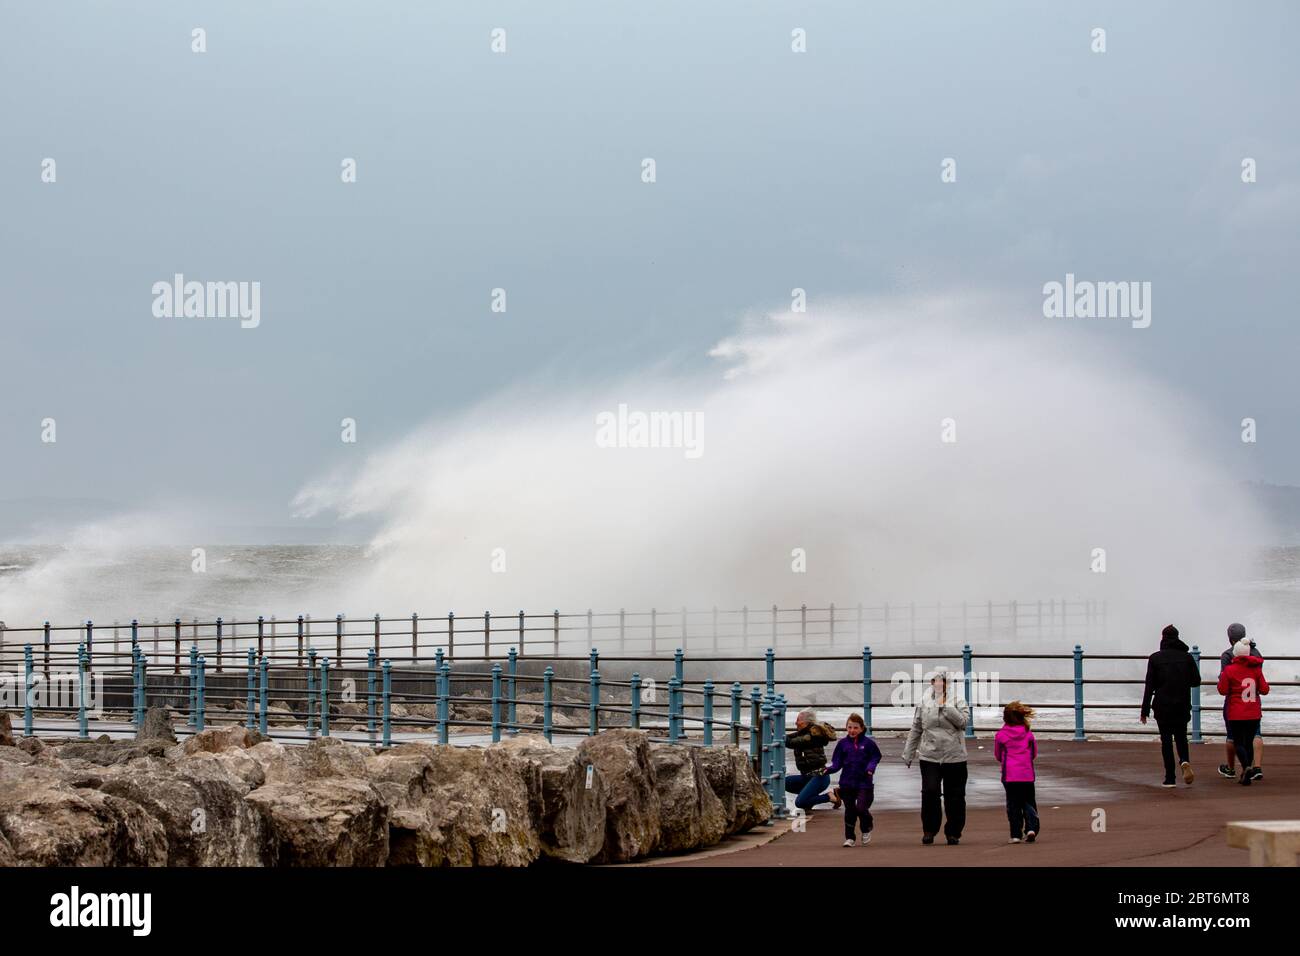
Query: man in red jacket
(1242, 683)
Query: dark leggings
(857, 807)
(1022, 808)
(951, 778)
(1173, 733)
(1243, 739)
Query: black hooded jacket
(1171, 675)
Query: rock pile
(230, 797)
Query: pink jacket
(1015, 748)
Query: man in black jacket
(1171, 675)
(808, 741)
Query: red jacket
(1242, 682)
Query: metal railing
(267, 694)
(652, 632)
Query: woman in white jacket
(938, 738)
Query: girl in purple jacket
(1015, 748)
(856, 756)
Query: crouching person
(808, 742)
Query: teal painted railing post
(202, 692)
(765, 750)
(513, 664)
(496, 703)
(388, 714)
(547, 676)
(634, 719)
(771, 670)
(135, 686)
(678, 666)
(672, 710)
(1196, 698)
(593, 726)
(311, 693)
(444, 703)
(593, 661)
(324, 696)
(736, 692)
(1078, 692)
(866, 686)
(218, 645)
(262, 682)
(90, 645)
(370, 693)
(437, 661)
(966, 678)
(755, 726)
(708, 713)
(252, 688)
(194, 686)
(778, 755)
(27, 690)
(135, 638)
(83, 665)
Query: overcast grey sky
(479, 170)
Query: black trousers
(1022, 808)
(857, 806)
(1243, 739)
(1173, 732)
(950, 778)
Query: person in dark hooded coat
(1171, 675)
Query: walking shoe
(1188, 776)
(1245, 778)
(1169, 783)
(847, 843)
(1014, 840)
(1256, 773)
(927, 838)
(866, 838)
(836, 802)
(1226, 771)
(952, 841)
(1031, 836)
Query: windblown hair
(856, 719)
(1017, 714)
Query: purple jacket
(857, 759)
(1015, 748)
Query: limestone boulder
(46, 822)
(330, 821)
(690, 814)
(566, 803)
(157, 725)
(632, 824)
(745, 804)
(217, 739)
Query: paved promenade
(1145, 825)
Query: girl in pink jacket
(1015, 748)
